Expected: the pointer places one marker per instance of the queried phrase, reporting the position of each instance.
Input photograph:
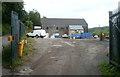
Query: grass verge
(7, 54)
(109, 70)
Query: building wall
(60, 29)
(54, 29)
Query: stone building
(61, 25)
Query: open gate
(15, 34)
(114, 22)
(17, 31)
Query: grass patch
(7, 58)
(28, 48)
(109, 70)
(7, 54)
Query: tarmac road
(65, 57)
(3, 42)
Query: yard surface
(65, 57)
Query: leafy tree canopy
(98, 30)
(35, 17)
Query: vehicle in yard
(64, 36)
(37, 28)
(37, 33)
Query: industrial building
(64, 25)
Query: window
(56, 28)
(47, 28)
(62, 28)
(66, 27)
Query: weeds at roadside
(0, 29)
(109, 70)
(7, 55)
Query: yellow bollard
(20, 48)
(10, 38)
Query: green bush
(109, 70)
(6, 29)
(7, 56)
(0, 29)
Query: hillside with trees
(98, 30)
(30, 18)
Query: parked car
(37, 33)
(64, 36)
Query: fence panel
(22, 29)
(114, 21)
(15, 34)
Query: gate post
(110, 29)
(15, 34)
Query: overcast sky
(95, 12)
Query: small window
(66, 27)
(56, 28)
(47, 28)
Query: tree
(98, 30)
(106, 30)
(7, 7)
(35, 17)
(44, 17)
(29, 24)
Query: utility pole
(101, 39)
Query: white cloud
(95, 12)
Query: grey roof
(63, 22)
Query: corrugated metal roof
(75, 27)
(63, 22)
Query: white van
(37, 33)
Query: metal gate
(17, 32)
(114, 22)
(21, 30)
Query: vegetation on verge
(109, 70)
(0, 29)
(6, 29)
(7, 54)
